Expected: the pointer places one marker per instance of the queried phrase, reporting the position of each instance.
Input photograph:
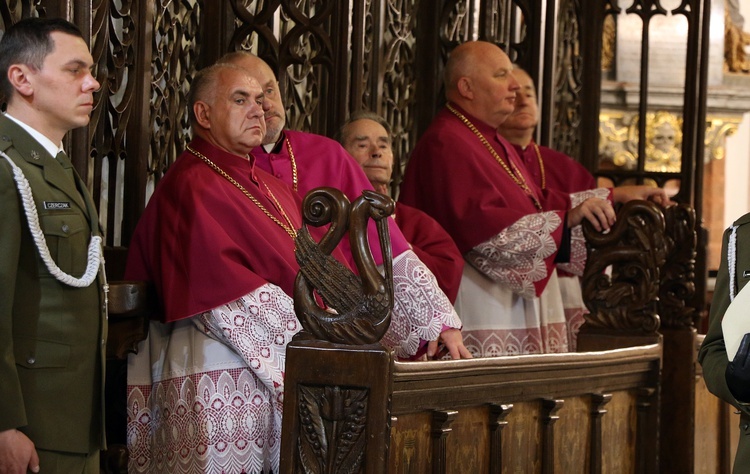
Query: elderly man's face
(526, 112)
(493, 86)
(368, 142)
(273, 106)
(235, 114)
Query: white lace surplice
(577, 242)
(205, 394)
(421, 310)
(497, 301)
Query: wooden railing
(355, 409)
(631, 400)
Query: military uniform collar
(742, 220)
(45, 142)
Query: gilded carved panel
(618, 142)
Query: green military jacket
(713, 355)
(52, 336)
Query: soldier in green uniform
(730, 380)
(52, 301)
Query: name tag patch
(52, 205)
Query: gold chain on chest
(288, 227)
(514, 174)
(294, 163)
(541, 165)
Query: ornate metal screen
(332, 58)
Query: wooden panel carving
(256, 29)
(399, 79)
(306, 59)
(370, 58)
(362, 301)
(677, 286)
(114, 49)
(566, 119)
(332, 422)
(457, 24)
(336, 420)
(635, 249)
(176, 47)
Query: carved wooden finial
(358, 307)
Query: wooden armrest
(130, 305)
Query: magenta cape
(203, 243)
(324, 162)
(452, 177)
(433, 246)
(561, 172)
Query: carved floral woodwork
(176, 48)
(566, 135)
(621, 280)
(333, 427)
(677, 286)
(398, 100)
(641, 274)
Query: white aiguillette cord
(95, 246)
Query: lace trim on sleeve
(420, 311)
(516, 256)
(579, 197)
(258, 327)
(577, 252)
(577, 242)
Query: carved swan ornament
(358, 306)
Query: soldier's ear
(20, 77)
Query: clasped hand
(17, 453)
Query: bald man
(512, 233)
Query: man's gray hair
(363, 115)
(204, 85)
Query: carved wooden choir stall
(630, 400)
(599, 410)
